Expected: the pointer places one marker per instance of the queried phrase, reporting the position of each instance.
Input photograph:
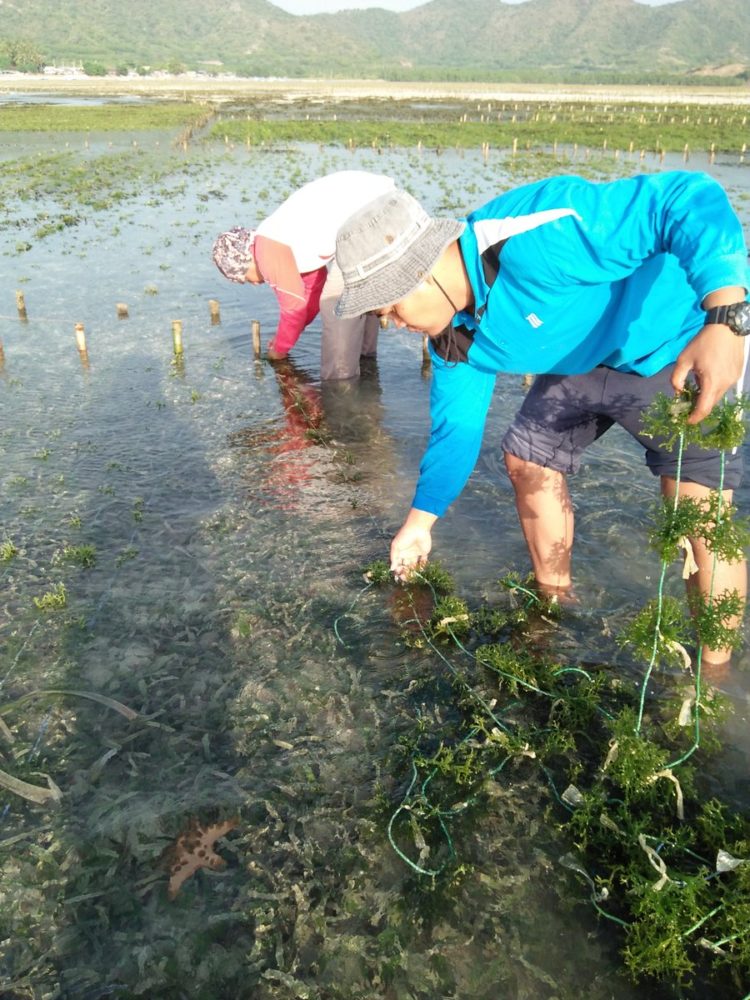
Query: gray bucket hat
(233, 252)
(386, 249)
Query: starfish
(194, 849)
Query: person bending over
(609, 292)
(292, 250)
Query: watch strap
(736, 316)
(717, 315)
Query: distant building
(63, 71)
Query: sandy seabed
(226, 88)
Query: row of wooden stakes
(123, 313)
(177, 347)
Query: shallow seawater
(229, 508)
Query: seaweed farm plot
(651, 128)
(209, 718)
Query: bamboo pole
(213, 306)
(177, 336)
(80, 335)
(122, 310)
(2, 356)
(21, 306)
(255, 327)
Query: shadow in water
(145, 626)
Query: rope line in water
(348, 612)
(442, 814)
(660, 593)
(412, 797)
(660, 604)
(699, 657)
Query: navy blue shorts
(563, 414)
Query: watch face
(738, 317)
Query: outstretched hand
(411, 544)
(716, 358)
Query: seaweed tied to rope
(666, 864)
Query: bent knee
(519, 468)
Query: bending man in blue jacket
(610, 292)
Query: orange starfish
(194, 849)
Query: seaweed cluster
(625, 764)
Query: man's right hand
(411, 545)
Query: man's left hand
(716, 358)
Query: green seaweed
(671, 866)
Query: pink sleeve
(279, 270)
(293, 322)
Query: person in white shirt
(293, 251)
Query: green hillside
(442, 39)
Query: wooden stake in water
(213, 305)
(80, 338)
(177, 336)
(2, 356)
(83, 353)
(122, 310)
(255, 327)
(384, 321)
(21, 306)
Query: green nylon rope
(442, 815)
(699, 658)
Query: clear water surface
(230, 507)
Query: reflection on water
(284, 472)
(231, 506)
(69, 100)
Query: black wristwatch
(736, 317)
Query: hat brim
(401, 277)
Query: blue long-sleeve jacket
(568, 274)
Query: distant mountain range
(442, 39)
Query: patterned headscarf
(233, 252)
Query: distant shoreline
(226, 88)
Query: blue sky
(330, 6)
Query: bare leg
(721, 577)
(546, 516)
